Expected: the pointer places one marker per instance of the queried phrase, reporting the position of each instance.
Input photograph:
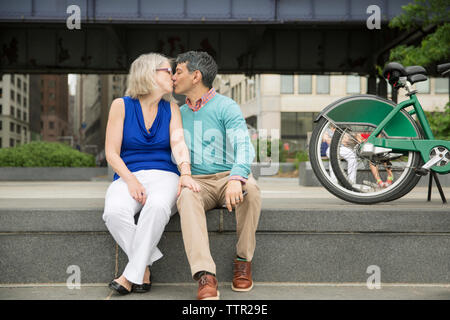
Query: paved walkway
(261, 291)
(276, 193)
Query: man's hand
(233, 194)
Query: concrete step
(298, 240)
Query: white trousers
(140, 241)
(352, 164)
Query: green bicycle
(376, 150)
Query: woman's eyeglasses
(168, 70)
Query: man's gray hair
(201, 61)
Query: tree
(440, 123)
(424, 15)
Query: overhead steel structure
(251, 36)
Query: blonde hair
(142, 75)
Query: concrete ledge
(51, 173)
(90, 173)
(309, 245)
(370, 219)
(270, 169)
(279, 257)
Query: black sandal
(114, 285)
(145, 287)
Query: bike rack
(438, 184)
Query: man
(221, 156)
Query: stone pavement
(261, 291)
(276, 192)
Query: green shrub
(44, 154)
(301, 156)
(440, 123)
(282, 154)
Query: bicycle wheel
(353, 179)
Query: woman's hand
(188, 182)
(137, 190)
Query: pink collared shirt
(202, 101)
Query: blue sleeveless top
(143, 150)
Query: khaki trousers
(192, 207)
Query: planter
(51, 173)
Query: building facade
(288, 104)
(54, 108)
(90, 108)
(14, 110)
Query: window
(19, 83)
(353, 84)
(1, 109)
(1, 92)
(13, 112)
(18, 129)
(239, 93)
(19, 98)
(295, 127)
(441, 85)
(12, 95)
(25, 102)
(1, 125)
(51, 83)
(423, 86)
(19, 114)
(236, 93)
(51, 110)
(51, 96)
(12, 79)
(11, 142)
(322, 84)
(305, 84)
(251, 88)
(1, 142)
(51, 125)
(11, 127)
(287, 84)
(24, 116)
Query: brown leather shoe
(242, 276)
(207, 288)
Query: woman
(144, 129)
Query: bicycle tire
(397, 190)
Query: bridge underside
(237, 48)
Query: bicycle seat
(444, 68)
(393, 71)
(410, 71)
